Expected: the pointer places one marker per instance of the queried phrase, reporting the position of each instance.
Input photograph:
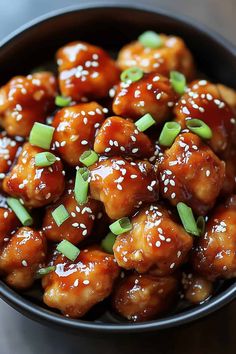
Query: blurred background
(216, 333)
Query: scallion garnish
(201, 225)
(44, 159)
(131, 74)
(68, 250)
(20, 211)
(81, 185)
(88, 158)
(150, 39)
(187, 218)
(62, 101)
(178, 82)
(120, 226)
(169, 133)
(41, 135)
(60, 214)
(145, 122)
(108, 242)
(200, 128)
(44, 271)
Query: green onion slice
(108, 242)
(169, 133)
(131, 74)
(60, 214)
(187, 218)
(89, 157)
(150, 39)
(120, 226)
(62, 101)
(68, 250)
(201, 225)
(20, 211)
(81, 185)
(145, 122)
(178, 82)
(200, 128)
(44, 271)
(41, 135)
(44, 159)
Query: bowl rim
(16, 300)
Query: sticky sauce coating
(90, 219)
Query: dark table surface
(214, 334)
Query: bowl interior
(111, 27)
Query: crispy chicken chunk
(196, 288)
(215, 254)
(121, 136)
(204, 101)
(75, 287)
(156, 243)
(122, 186)
(8, 224)
(8, 151)
(144, 297)
(152, 94)
(85, 71)
(75, 130)
(191, 173)
(80, 222)
(22, 256)
(172, 55)
(25, 100)
(37, 186)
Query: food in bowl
(118, 180)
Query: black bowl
(111, 26)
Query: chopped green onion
(145, 122)
(178, 82)
(150, 39)
(131, 74)
(44, 271)
(44, 159)
(169, 133)
(68, 249)
(201, 225)
(81, 185)
(20, 211)
(41, 135)
(108, 242)
(60, 214)
(187, 218)
(62, 101)
(200, 128)
(88, 158)
(120, 226)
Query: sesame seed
(76, 282)
(84, 142)
(158, 244)
(134, 150)
(85, 282)
(24, 263)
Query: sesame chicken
(34, 185)
(171, 55)
(25, 100)
(156, 243)
(75, 130)
(74, 287)
(190, 172)
(85, 71)
(22, 256)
